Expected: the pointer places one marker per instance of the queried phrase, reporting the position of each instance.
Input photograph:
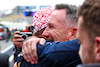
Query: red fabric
(26, 30)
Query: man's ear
(97, 42)
(73, 33)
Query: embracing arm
(58, 54)
(29, 49)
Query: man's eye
(51, 26)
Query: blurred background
(18, 15)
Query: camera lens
(24, 37)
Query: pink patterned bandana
(41, 18)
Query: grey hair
(71, 13)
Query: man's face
(86, 50)
(56, 27)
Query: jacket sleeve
(57, 54)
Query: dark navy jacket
(56, 54)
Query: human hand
(17, 39)
(29, 49)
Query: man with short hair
(89, 32)
(62, 26)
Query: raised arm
(17, 39)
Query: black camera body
(25, 35)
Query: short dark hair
(71, 13)
(90, 11)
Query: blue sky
(9, 4)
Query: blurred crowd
(6, 33)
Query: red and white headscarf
(41, 18)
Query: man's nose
(45, 33)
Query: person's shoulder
(75, 41)
(62, 46)
(51, 47)
(70, 45)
